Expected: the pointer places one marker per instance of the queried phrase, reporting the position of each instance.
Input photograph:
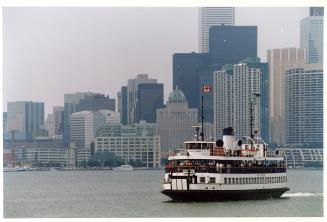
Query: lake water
(118, 194)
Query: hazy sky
(51, 51)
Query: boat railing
(178, 152)
(225, 170)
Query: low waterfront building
(137, 142)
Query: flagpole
(202, 117)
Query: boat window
(225, 180)
(212, 180)
(233, 180)
(229, 180)
(198, 146)
(202, 179)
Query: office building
(254, 62)
(25, 118)
(95, 102)
(234, 91)
(149, 99)
(123, 105)
(210, 16)
(185, 75)
(40, 152)
(175, 121)
(311, 35)
(132, 89)
(304, 106)
(70, 102)
(83, 126)
(231, 44)
(110, 117)
(223, 100)
(132, 143)
(227, 45)
(279, 60)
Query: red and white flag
(207, 88)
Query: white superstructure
(225, 170)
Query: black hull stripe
(223, 195)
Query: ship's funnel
(228, 138)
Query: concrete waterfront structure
(132, 143)
(279, 60)
(210, 16)
(175, 121)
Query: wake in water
(302, 194)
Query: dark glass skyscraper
(95, 102)
(123, 108)
(227, 45)
(231, 44)
(149, 99)
(185, 74)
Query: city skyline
(98, 74)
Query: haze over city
(52, 51)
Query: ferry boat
(225, 170)
(124, 167)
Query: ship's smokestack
(228, 138)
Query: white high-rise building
(304, 105)
(246, 83)
(83, 126)
(279, 61)
(223, 100)
(174, 123)
(234, 90)
(132, 88)
(311, 36)
(210, 16)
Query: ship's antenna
(205, 89)
(202, 117)
(197, 128)
(252, 114)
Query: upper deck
(209, 150)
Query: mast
(202, 117)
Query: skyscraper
(174, 123)
(235, 88)
(254, 62)
(311, 38)
(279, 60)
(304, 106)
(223, 99)
(95, 102)
(185, 74)
(70, 103)
(149, 99)
(132, 88)
(123, 105)
(231, 44)
(210, 16)
(26, 118)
